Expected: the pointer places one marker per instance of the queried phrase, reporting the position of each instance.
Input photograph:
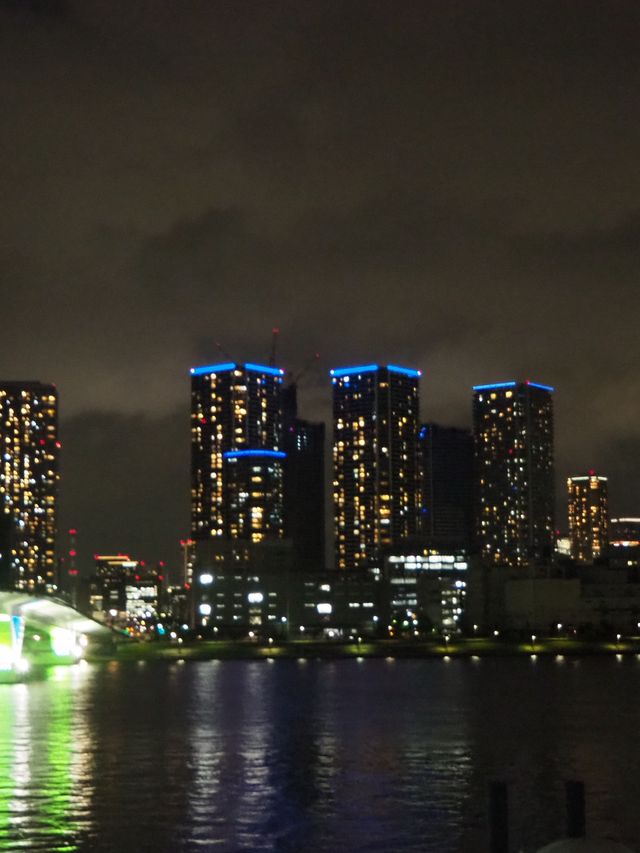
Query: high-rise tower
(513, 436)
(446, 462)
(28, 484)
(304, 477)
(588, 516)
(236, 452)
(375, 460)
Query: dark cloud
(453, 185)
(54, 9)
(133, 468)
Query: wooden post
(499, 817)
(575, 809)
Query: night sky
(451, 185)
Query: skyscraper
(236, 455)
(375, 460)
(513, 436)
(28, 484)
(588, 516)
(446, 464)
(303, 484)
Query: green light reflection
(41, 764)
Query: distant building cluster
(435, 528)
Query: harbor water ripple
(315, 756)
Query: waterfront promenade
(331, 649)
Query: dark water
(372, 755)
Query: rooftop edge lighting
(345, 371)
(263, 368)
(270, 454)
(493, 385)
(538, 385)
(213, 368)
(369, 368)
(407, 371)
(231, 365)
(584, 477)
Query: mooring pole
(499, 818)
(575, 809)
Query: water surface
(371, 755)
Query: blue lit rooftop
(538, 385)
(407, 371)
(264, 368)
(338, 372)
(495, 385)
(268, 454)
(212, 368)
(231, 365)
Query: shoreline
(322, 650)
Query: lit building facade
(375, 460)
(236, 455)
(446, 466)
(28, 484)
(588, 507)
(125, 592)
(624, 541)
(254, 488)
(425, 588)
(625, 531)
(513, 439)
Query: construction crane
(224, 352)
(272, 354)
(295, 378)
(290, 391)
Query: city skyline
(320, 425)
(455, 189)
(232, 447)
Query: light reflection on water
(371, 755)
